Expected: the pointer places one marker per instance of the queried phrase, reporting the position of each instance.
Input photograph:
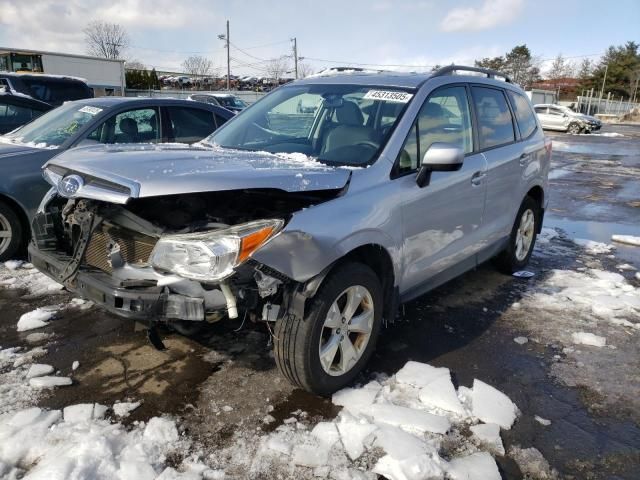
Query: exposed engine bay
(173, 258)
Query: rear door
(189, 124)
(543, 116)
(498, 142)
(441, 221)
(557, 119)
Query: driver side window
(444, 117)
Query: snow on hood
(170, 169)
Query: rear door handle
(476, 178)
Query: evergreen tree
(622, 65)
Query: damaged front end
(169, 258)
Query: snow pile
(37, 318)
(15, 274)
(626, 239)
(394, 427)
(15, 365)
(601, 294)
(584, 338)
(593, 247)
(80, 444)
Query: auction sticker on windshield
(90, 110)
(388, 96)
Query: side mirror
(440, 157)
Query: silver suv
(321, 222)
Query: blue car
(106, 120)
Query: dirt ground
(223, 381)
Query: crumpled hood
(172, 169)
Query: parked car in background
(226, 100)
(558, 117)
(52, 89)
(105, 120)
(17, 109)
(322, 227)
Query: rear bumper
(144, 304)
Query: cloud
(491, 13)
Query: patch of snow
(25, 277)
(492, 406)
(37, 318)
(50, 382)
(585, 338)
(593, 247)
(409, 419)
(13, 264)
(626, 239)
(75, 365)
(626, 267)
(542, 421)
(123, 409)
(39, 370)
(477, 466)
(489, 434)
(532, 463)
(521, 340)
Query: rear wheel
(11, 232)
(522, 239)
(327, 349)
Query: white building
(105, 77)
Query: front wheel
(11, 233)
(522, 239)
(574, 128)
(326, 350)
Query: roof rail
(450, 69)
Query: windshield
(56, 126)
(231, 102)
(337, 124)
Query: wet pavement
(224, 380)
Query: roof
(42, 52)
(41, 75)
(382, 79)
(108, 102)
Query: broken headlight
(212, 256)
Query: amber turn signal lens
(251, 242)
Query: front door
(441, 221)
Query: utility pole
(226, 38)
(295, 54)
(606, 69)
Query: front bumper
(143, 303)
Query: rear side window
(190, 125)
(13, 115)
(524, 116)
(542, 110)
(57, 91)
(133, 126)
(495, 124)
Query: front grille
(135, 248)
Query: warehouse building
(105, 77)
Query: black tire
(507, 261)
(9, 248)
(297, 341)
(574, 128)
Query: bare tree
(197, 66)
(276, 67)
(304, 70)
(135, 65)
(108, 40)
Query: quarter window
(524, 116)
(444, 117)
(495, 124)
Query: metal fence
(246, 95)
(609, 105)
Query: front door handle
(476, 178)
(524, 159)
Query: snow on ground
(627, 239)
(593, 247)
(16, 274)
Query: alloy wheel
(524, 235)
(5, 233)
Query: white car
(558, 117)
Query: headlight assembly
(212, 256)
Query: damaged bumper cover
(148, 303)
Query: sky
(404, 35)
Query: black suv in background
(52, 89)
(16, 110)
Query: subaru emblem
(70, 185)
